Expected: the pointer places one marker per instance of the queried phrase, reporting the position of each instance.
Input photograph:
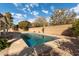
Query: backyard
(57, 35)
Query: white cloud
(28, 9)
(27, 6)
(48, 18)
(25, 15)
(35, 13)
(12, 13)
(15, 4)
(34, 4)
(45, 11)
(31, 20)
(24, 10)
(18, 17)
(18, 6)
(75, 9)
(31, 5)
(77, 17)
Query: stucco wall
(55, 30)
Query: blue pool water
(33, 39)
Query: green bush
(24, 25)
(75, 28)
(15, 27)
(3, 43)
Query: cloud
(75, 9)
(27, 7)
(15, 4)
(48, 19)
(12, 14)
(18, 6)
(31, 20)
(25, 15)
(18, 17)
(34, 4)
(24, 10)
(45, 11)
(77, 17)
(30, 6)
(35, 13)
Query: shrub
(75, 28)
(3, 43)
(15, 27)
(24, 25)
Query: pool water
(33, 39)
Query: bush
(3, 43)
(24, 25)
(75, 28)
(15, 27)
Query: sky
(29, 11)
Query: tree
(62, 16)
(1, 21)
(8, 19)
(5, 22)
(40, 22)
(24, 25)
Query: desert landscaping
(57, 35)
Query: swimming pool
(33, 39)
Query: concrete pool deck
(15, 48)
(19, 47)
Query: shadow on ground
(72, 47)
(41, 50)
(11, 35)
(67, 32)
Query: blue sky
(29, 11)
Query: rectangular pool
(33, 39)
